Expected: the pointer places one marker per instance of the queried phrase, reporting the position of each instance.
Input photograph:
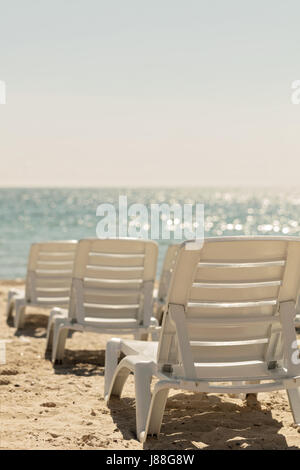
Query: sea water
(31, 215)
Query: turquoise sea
(29, 215)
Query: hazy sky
(149, 92)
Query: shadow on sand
(81, 362)
(193, 421)
(35, 326)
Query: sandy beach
(62, 407)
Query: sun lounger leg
(142, 376)
(9, 310)
(55, 312)
(158, 405)
(60, 334)
(119, 383)
(49, 339)
(20, 313)
(294, 399)
(112, 355)
(10, 303)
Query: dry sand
(62, 407)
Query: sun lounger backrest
(114, 278)
(49, 272)
(225, 300)
(166, 272)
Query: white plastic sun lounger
(48, 279)
(112, 291)
(230, 321)
(165, 279)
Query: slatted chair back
(231, 308)
(49, 273)
(113, 281)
